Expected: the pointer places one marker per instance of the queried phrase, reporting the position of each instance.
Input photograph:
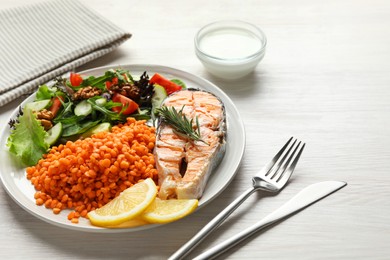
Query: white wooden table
(325, 79)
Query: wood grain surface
(325, 80)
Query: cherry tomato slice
(55, 107)
(75, 79)
(130, 105)
(108, 85)
(114, 81)
(169, 86)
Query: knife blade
(300, 201)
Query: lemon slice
(165, 211)
(129, 204)
(132, 223)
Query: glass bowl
(230, 49)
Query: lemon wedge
(129, 204)
(165, 211)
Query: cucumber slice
(38, 105)
(83, 108)
(54, 134)
(101, 102)
(158, 96)
(180, 83)
(102, 127)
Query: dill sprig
(180, 122)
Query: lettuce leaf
(27, 140)
(44, 93)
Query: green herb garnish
(180, 122)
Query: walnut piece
(45, 114)
(87, 92)
(45, 117)
(128, 90)
(46, 124)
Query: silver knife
(303, 199)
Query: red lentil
(86, 174)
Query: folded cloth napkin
(41, 41)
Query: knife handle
(234, 240)
(211, 226)
(300, 201)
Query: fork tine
(265, 170)
(275, 170)
(282, 180)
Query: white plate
(22, 191)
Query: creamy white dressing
(230, 43)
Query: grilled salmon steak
(184, 166)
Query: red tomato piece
(55, 107)
(108, 85)
(75, 79)
(130, 105)
(114, 81)
(169, 86)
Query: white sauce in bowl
(230, 43)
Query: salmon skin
(184, 166)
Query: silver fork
(272, 177)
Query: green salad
(79, 106)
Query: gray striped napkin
(39, 42)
